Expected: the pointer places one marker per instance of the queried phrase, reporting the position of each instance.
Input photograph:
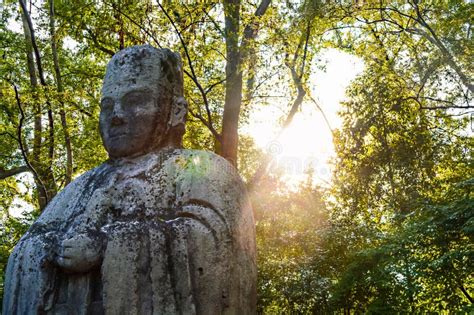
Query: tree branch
(466, 294)
(437, 42)
(214, 23)
(208, 123)
(305, 51)
(97, 44)
(322, 113)
(205, 122)
(251, 30)
(192, 75)
(210, 87)
(136, 23)
(250, 33)
(22, 148)
(431, 36)
(450, 105)
(14, 171)
(301, 92)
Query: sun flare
(307, 142)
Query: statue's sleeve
(30, 274)
(214, 234)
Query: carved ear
(179, 111)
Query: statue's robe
(177, 233)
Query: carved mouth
(117, 135)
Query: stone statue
(156, 229)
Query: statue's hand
(79, 253)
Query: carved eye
(135, 98)
(107, 104)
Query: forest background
(391, 232)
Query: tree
(401, 147)
(429, 44)
(293, 277)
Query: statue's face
(132, 120)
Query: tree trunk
(43, 168)
(38, 129)
(235, 56)
(60, 89)
(233, 89)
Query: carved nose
(117, 120)
(117, 116)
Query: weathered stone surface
(154, 230)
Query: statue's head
(142, 106)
